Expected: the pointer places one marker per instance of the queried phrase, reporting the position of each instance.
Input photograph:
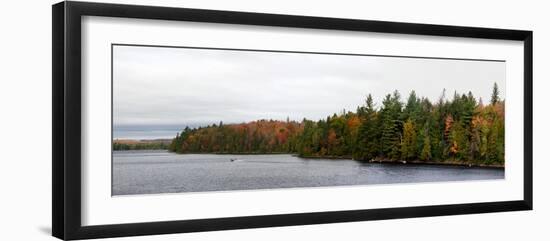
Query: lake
(148, 172)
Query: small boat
(232, 160)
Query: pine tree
(495, 95)
(412, 108)
(468, 107)
(369, 133)
(387, 126)
(390, 125)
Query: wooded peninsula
(462, 130)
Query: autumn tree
(426, 153)
(408, 143)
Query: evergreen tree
(369, 134)
(426, 152)
(492, 151)
(495, 95)
(458, 142)
(412, 109)
(391, 126)
(475, 140)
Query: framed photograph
(169, 120)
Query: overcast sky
(179, 86)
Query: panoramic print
(202, 119)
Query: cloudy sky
(155, 86)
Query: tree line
(262, 136)
(120, 145)
(458, 129)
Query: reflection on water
(146, 172)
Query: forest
(125, 145)
(460, 129)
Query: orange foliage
(354, 122)
(499, 109)
(448, 124)
(454, 148)
(479, 121)
(332, 139)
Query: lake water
(147, 172)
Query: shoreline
(443, 163)
(382, 161)
(410, 162)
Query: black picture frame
(66, 127)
